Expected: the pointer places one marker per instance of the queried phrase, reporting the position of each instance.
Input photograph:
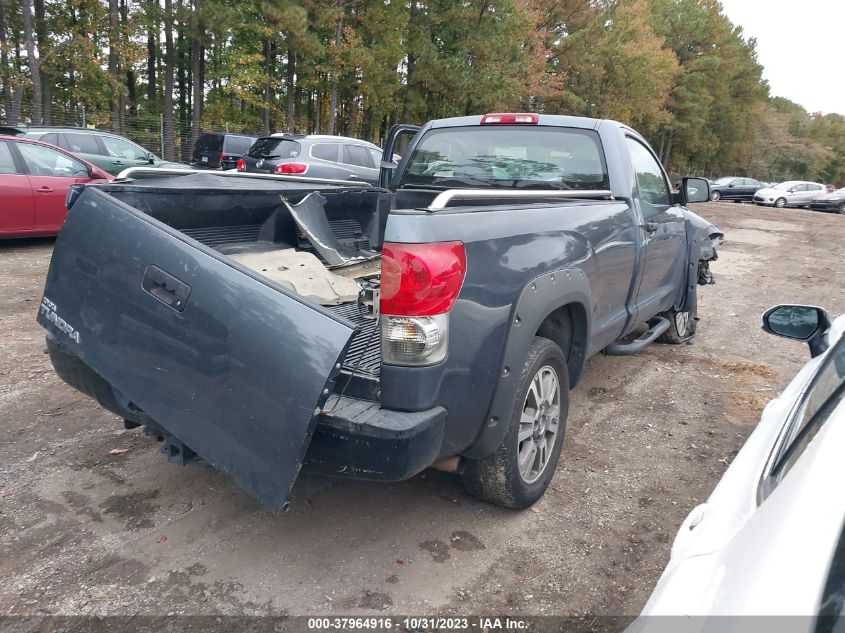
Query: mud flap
(228, 362)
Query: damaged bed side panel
(228, 363)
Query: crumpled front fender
(702, 239)
(702, 236)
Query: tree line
(677, 70)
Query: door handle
(651, 227)
(44, 189)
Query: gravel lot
(84, 531)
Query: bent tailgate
(228, 362)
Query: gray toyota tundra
(267, 325)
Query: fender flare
(537, 300)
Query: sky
(801, 46)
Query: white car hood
(770, 191)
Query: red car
(34, 181)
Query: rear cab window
(508, 156)
(274, 148)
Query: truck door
(663, 233)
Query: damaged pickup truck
(267, 325)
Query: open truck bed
(215, 356)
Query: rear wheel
(680, 328)
(841, 209)
(518, 473)
(715, 196)
(780, 203)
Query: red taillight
(241, 165)
(510, 118)
(222, 157)
(421, 279)
(291, 168)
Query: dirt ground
(85, 531)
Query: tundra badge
(48, 309)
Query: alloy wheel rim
(539, 424)
(682, 323)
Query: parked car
(220, 150)
(315, 155)
(110, 152)
(770, 540)
(733, 188)
(374, 332)
(792, 193)
(34, 182)
(833, 202)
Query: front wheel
(780, 203)
(520, 470)
(680, 328)
(841, 209)
(715, 196)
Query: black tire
(715, 196)
(681, 328)
(780, 203)
(497, 478)
(841, 209)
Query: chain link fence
(144, 128)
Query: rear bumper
(353, 438)
(359, 439)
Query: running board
(660, 325)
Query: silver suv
(315, 156)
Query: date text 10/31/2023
(420, 623)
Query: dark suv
(315, 156)
(220, 150)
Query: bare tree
(333, 83)
(114, 62)
(169, 63)
(197, 57)
(34, 69)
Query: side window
(81, 143)
(815, 187)
(7, 162)
(325, 151)
(50, 137)
(237, 144)
(43, 161)
(654, 190)
(356, 155)
(375, 154)
(820, 400)
(801, 188)
(118, 148)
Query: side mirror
(799, 323)
(730, 185)
(151, 159)
(695, 190)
